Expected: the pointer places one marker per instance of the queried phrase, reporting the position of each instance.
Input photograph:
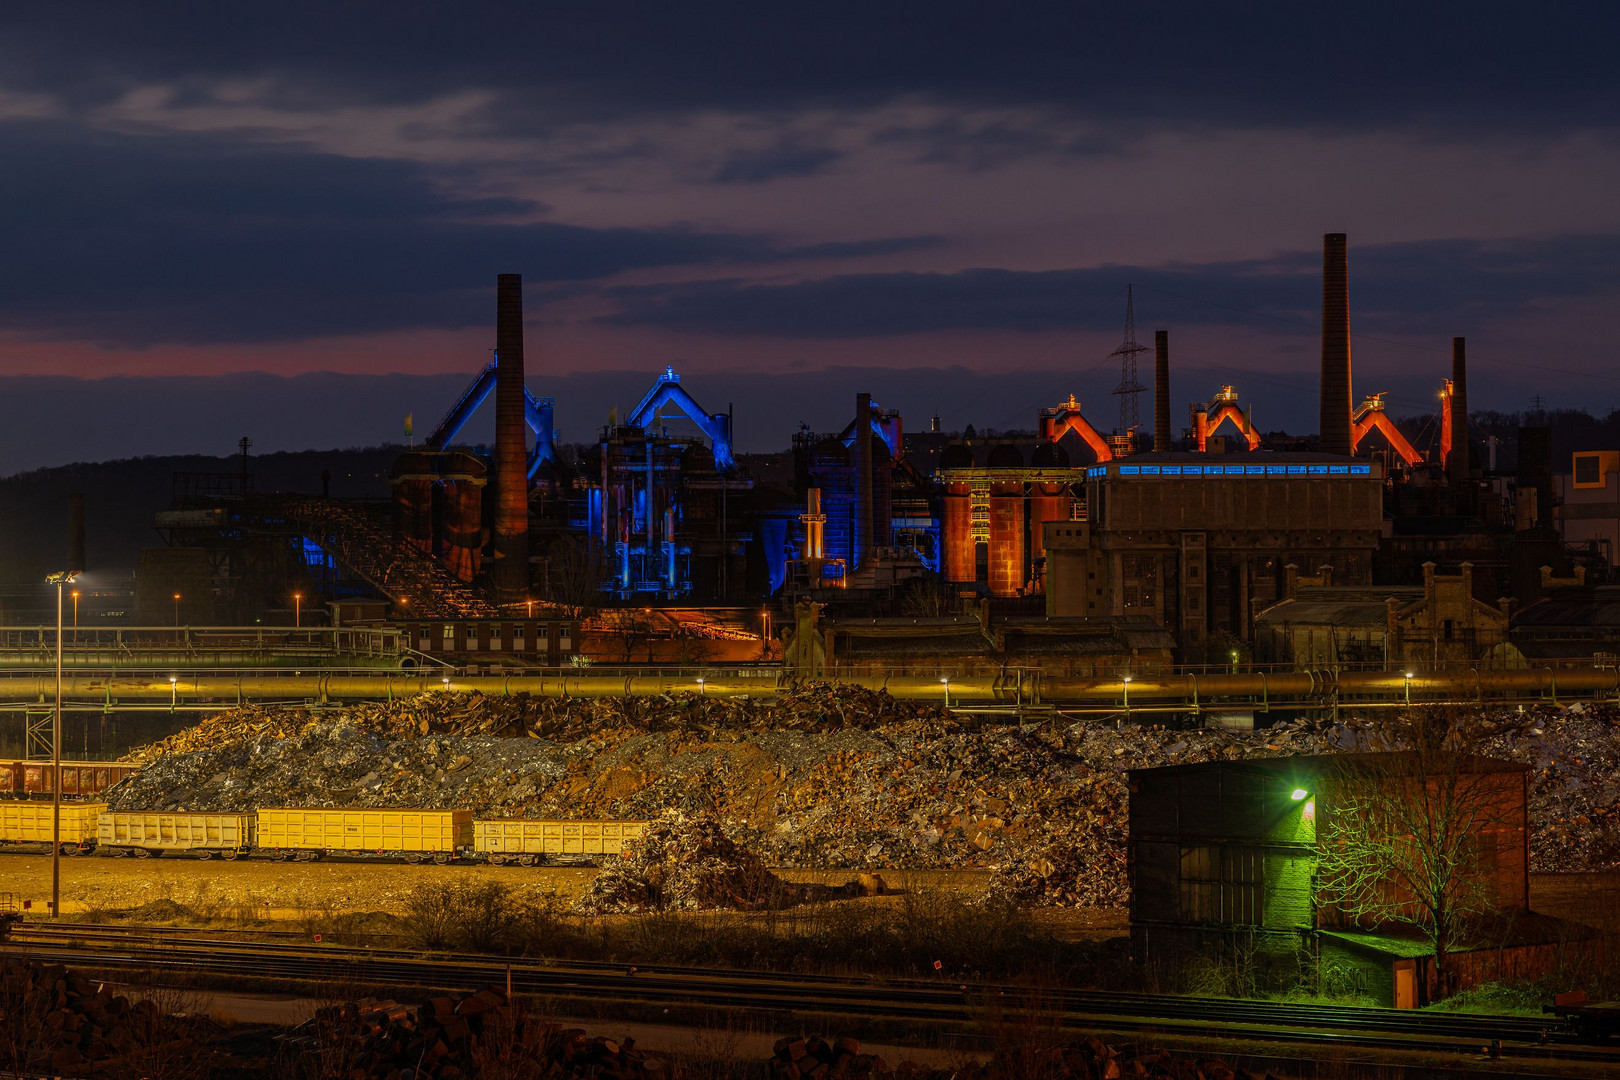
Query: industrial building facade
(1225, 854)
(1201, 542)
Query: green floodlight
(1299, 794)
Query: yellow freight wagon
(151, 833)
(415, 835)
(530, 842)
(30, 823)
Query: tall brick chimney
(511, 573)
(1161, 391)
(1458, 464)
(862, 458)
(1335, 345)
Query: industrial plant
(657, 534)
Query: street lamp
(530, 602)
(177, 616)
(75, 615)
(298, 610)
(700, 686)
(945, 684)
(1409, 688)
(60, 579)
(1125, 688)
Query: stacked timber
(63, 1023)
(815, 1058)
(455, 1037)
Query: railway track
(1523, 1038)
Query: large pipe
(1336, 399)
(863, 480)
(1161, 391)
(1209, 693)
(1457, 464)
(511, 574)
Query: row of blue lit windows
(1231, 470)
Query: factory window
(449, 632)
(1451, 629)
(1588, 470)
(1220, 885)
(1192, 603)
(1192, 570)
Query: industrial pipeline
(1282, 691)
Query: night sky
(942, 203)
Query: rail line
(1527, 1038)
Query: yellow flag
(409, 425)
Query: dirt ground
(259, 889)
(262, 889)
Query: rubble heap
(823, 777)
(59, 1022)
(816, 1058)
(681, 862)
(447, 1038)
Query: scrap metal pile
(681, 862)
(827, 777)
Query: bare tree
(574, 577)
(1413, 835)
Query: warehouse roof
(1338, 605)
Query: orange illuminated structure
(1445, 423)
(1222, 407)
(1372, 417)
(1055, 423)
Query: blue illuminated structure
(1267, 471)
(538, 412)
(669, 391)
(658, 515)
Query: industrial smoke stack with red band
(1458, 466)
(1335, 345)
(511, 575)
(1161, 391)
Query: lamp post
(176, 616)
(61, 579)
(1409, 688)
(945, 684)
(298, 610)
(1125, 688)
(75, 616)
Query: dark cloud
(785, 158)
(135, 240)
(1421, 287)
(1185, 64)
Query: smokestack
(75, 535)
(511, 574)
(863, 478)
(1161, 391)
(1458, 465)
(1335, 345)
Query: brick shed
(1224, 855)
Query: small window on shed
(1588, 469)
